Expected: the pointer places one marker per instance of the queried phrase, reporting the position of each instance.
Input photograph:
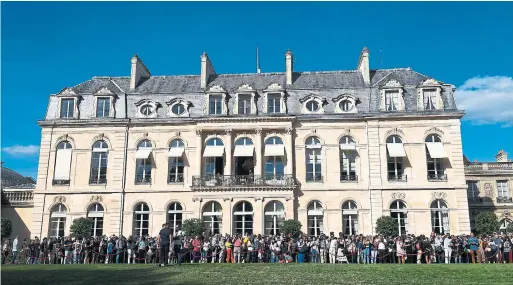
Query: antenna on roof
(257, 61)
(381, 57)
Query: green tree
(6, 228)
(193, 227)
(387, 226)
(486, 223)
(291, 227)
(81, 227)
(509, 228)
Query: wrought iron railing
(18, 197)
(96, 180)
(437, 177)
(504, 199)
(175, 179)
(60, 182)
(243, 180)
(398, 178)
(346, 178)
(142, 180)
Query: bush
(486, 223)
(6, 228)
(291, 227)
(387, 226)
(193, 227)
(509, 228)
(81, 228)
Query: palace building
(334, 150)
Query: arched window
(347, 159)
(504, 223)
(57, 221)
(212, 217)
(395, 154)
(174, 216)
(350, 218)
(274, 160)
(243, 218)
(434, 156)
(315, 215)
(214, 159)
(143, 162)
(215, 142)
(439, 217)
(99, 163)
(141, 219)
(273, 141)
(62, 164)
(244, 162)
(274, 216)
(399, 212)
(175, 161)
(313, 160)
(95, 213)
(244, 141)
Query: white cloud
(21, 150)
(487, 100)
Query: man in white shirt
(333, 250)
(447, 248)
(14, 249)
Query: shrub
(291, 227)
(387, 226)
(486, 223)
(193, 227)
(81, 227)
(6, 228)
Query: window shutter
(62, 164)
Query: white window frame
(139, 215)
(350, 215)
(402, 214)
(177, 101)
(438, 163)
(312, 99)
(145, 162)
(243, 215)
(473, 189)
(349, 156)
(174, 215)
(440, 212)
(212, 215)
(95, 215)
(275, 89)
(276, 216)
(140, 104)
(315, 213)
(104, 93)
(502, 189)
(245, 90)
(396, 160)
(343, 98)
(392, 86)
(430, 84)
(58, 216)
(314, 157)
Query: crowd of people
(250, 248)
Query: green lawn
(238, 274)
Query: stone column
(199, 150)
(228, 151)
(258, 151)
(258, 214)
(288, 152)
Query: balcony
(97, 181)
(243, 181)
(139, 180)
(18, 197)
(175, 179)
(506, 200)
(397, 178)
(60, 182)
(437, 177)
(348, 178)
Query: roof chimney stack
(363, 65)
(289, 66)
(138, 72)
(206, 70)
(502, 156)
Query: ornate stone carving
(439, 195)
(228, 131)
(245, 87)
(216, 89)
(104, 91)
(275, 87)
(398, 195)
(289, 131)
(258, 131)
(195, 199)
(199, 132)
(227, 199)
(434, 130)
(394, 131)
(68, 92)
(393, 83)
(59, 199)
(259, 199)
(289, 198)
(430, 82)
(96, 198)
(488, 190)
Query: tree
(6, 228)
(486, 223)
(387, 226)
(193, 227)
(509, 228)
(81, 227)
(291, 227)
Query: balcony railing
(21, 197)
(175, 179)
(436, 177)
(243, 181)
(139, 180)
(505, 200)
(348, 178)
(96, 180)
(398, 178)
(313, 178)
(60, 182)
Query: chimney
(206, 70)
(138, 72)
(363, 65)
(502, 156)
(289, 66)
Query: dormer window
(312, 105)
(345, 104)
(215, 105)
(429, 98)
(146, 109)
(391, 100)
(68, 104)
(274, 103)
(102, 107)
(429, 95)
(67, 108)
(178, 109)
(104, 103)
(274, 100)
(245, 103)
(392, 96)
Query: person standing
(164, 239)
(6, 248)
(447, 248)
(178, 246)
(333, 249)
(14, 249)
(474, 248)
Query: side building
(335, 150)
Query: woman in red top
(196, 248)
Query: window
(315, 215)
(215, 105)
(473, 190)
(95, 213)
(273, 103)
(346, 105)
(212, 218)
(274, 216)
(399, 212)
(147, 110)
(67, 108)
(62, 164)
(273, 141)
(141, 219)
(174, 216)
(439, 217)
(243, 218)
(502, 189)
(395, 163)
(102, 107)
(176, 162)
(392, 100)
(244, 104)
(274, 166)
(313, 160)
(99, 163)
(350, 218)
(435, 166)
(57, 221)
(504, 223)
(312, 106)
(347, 159)
(430, 101)
(178, 109)
(143, 162)
(214, 160)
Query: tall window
(143, 162)
(141, 219)
(472, 190)
(212, 217)
(215, 104)
(102, 107)
(62, 163)
(502, 189)
(67, 108)
(244, 104)
(347, 159)
(57, 221)
(435, 166)
(99, 163)
(274, 167)
(392, 100)
(394, 163)
(439, 217)
(214, 162)
(313, 160)
(273, 103)
(315, 215)
(174, 216)
(243, 218)
(95, 213)
(430, 102)
(399, 212)
(350, 218)
(175, 161)
(274, 216)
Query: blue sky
(49, 46)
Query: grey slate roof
(12, 179)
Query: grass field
(238, 274)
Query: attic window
(178, 109)
(312, 106)
(147, 110)
(67, 108)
